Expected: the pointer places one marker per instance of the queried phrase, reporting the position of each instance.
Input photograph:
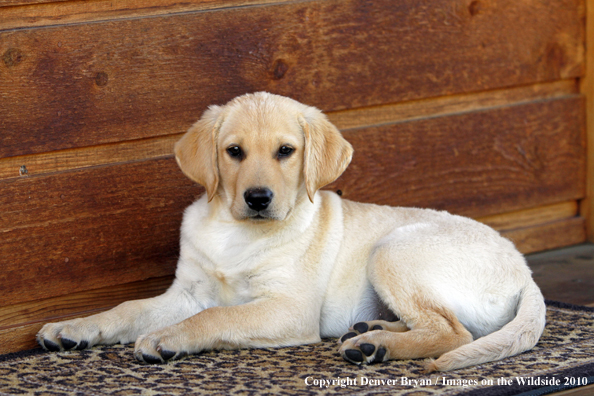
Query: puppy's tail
(519, 335)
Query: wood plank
(476, 164)
(100, 226)
(81, 85)
(91, 228)
(70, 159)
(547, 236)
(81, 303)
(587, 89)
(441, 106)
(12, 3)
(155, 186)
(55, 161)
(531, 217)
(20, 323)
(37, 13)
(19, 338)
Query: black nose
(258, 198)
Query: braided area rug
(563, 358)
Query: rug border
(573, 307)
(21, 354)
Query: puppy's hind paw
(360, 328)
(364, 354)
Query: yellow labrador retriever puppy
(268, 260)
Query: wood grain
(551, 235)
(476, 164)
(451, 104)
(71, 159)
(87, 84)
(91, 228)
(56, 161)
(19, 338)
(80, 303)
(36, 13)
(9, 3)
(531, 217)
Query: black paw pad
(51, 346)
(151, 359)
(377, 327)
(166, 355)
(367, 349)
(82, 345)
(354, 355)
(379, 355)
(361, 327)
(68, 344)
(347, 336)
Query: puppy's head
(261, 154)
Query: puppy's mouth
(259, 217)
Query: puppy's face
(262, 154)
(260, 158)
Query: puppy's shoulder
(196, 217)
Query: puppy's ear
(196, 151)
(327, 153)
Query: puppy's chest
(235, 270)
(231, 288)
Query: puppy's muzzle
(258, 199)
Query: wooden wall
(469, 106)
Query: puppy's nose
(258, 198)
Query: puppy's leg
(434, 333)
(434, 329)
(264, 323)
(373, 325)
(122, 324)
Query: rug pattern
(566, 349)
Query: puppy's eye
(235, 152)
(285, 151)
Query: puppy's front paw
(71, 334)
(159, 347)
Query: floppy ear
(327, 153)
(196, 151)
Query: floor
(565, 275)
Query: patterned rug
(563, 358)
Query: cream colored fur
(311, 264)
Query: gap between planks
(63, 160)
(43, 14)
